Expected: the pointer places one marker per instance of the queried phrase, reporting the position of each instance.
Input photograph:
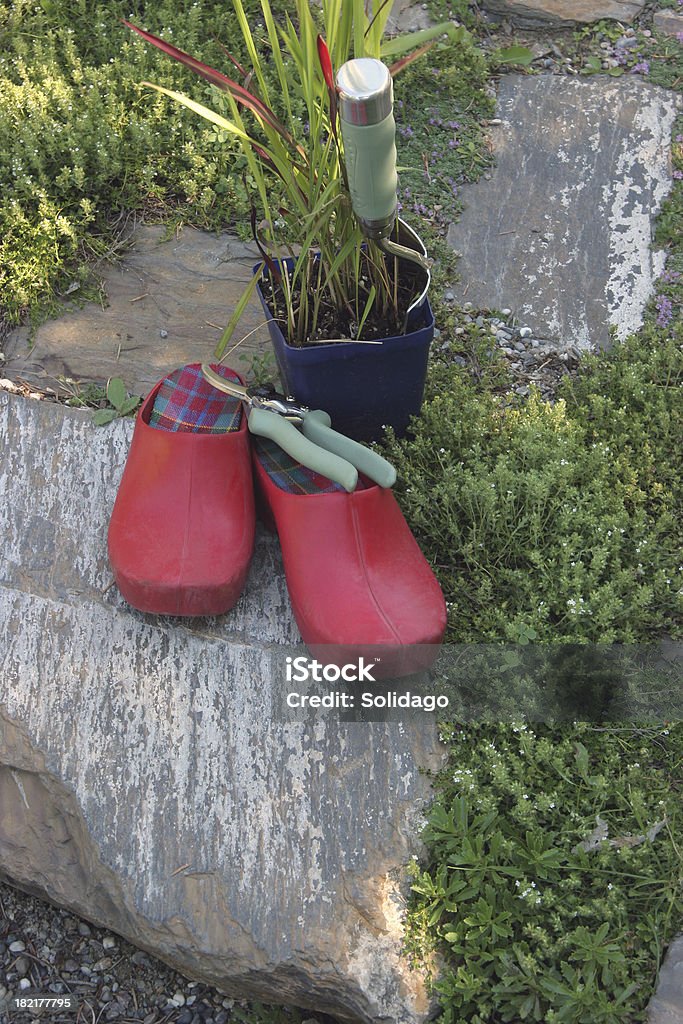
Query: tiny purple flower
(641, 68)
(664, 310)
(678, 175)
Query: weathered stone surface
(168, 303)
(558, 13)
(408, 16)
(669, 23)
(561, 233)
(144, 782)
(667, 1005)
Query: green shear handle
(316, 445)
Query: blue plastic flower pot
(363, 387)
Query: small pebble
(163, 334)
(109, 942)
(178, 999)
(520, 346)
(437, 332)
(24, 984)
(506, 312)
(17, 947)
(525, 332)
(83, 929)
(21, 966)
(467, 305)
(449, 296)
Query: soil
(335, 324)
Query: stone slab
(559, 14)
(144, 781)
(408, 16)
(562, 232)
(668, 23)
(167, 303)
(667, 1005)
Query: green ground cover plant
(82, 144)
(554, 880)
(554, 877)
(544, 522)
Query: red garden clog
(182, 529)
(356, 576)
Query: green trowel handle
(291, 440)
(370, 155)
(316, 427)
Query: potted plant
(348, 333)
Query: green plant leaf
(116, 392)
(102, 416)
(615, 72)
(237, 314)
(521, 55)
(129, 405)
(414, 39)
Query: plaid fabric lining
(187, 402)
(287, 473)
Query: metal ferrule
(366, 93)
(378, 229)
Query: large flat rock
(666, 1007)
(560, 14)
(562, 232)
(166, 304)
(145, 780)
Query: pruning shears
(315, 445)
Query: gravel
(529, 360)
(50, 952)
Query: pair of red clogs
(182, 529)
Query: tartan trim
(187, 402)
(288, 474)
